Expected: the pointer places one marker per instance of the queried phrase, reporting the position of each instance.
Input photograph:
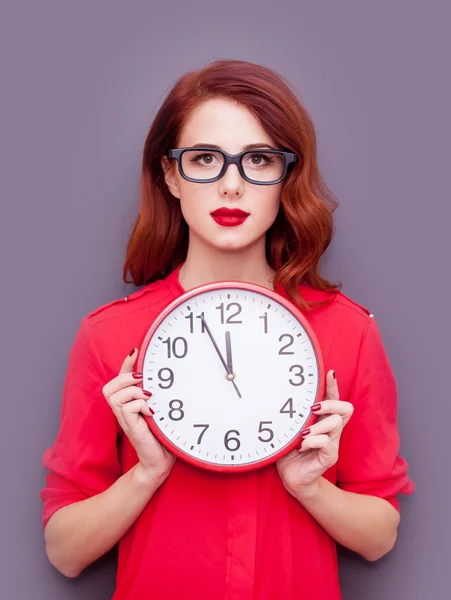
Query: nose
(231, 183)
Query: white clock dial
(219, 416)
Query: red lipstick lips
(229, 217)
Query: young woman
(183, 531)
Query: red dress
(208, 536)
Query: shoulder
(338, 309)
(153, 294)
(348, 304)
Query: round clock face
(233, 369)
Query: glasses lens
(202, 164)
(263, 166)
(258, 166)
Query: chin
(237, 244)
(230, 239)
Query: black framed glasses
(204, 165)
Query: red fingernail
(146, 393)
(305, 432)
(137, 375)
(151, 410)
(316, 407)
(333, 373)
(132, 352)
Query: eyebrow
(248, 147)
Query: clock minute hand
(228, 371)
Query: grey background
(80, 83)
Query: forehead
(224, 123)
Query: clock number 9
(169, 379)
(228, 440)
(300, 374)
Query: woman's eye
(206, 158)
(259, 159)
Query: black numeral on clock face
(230, 318)
(176, 413)
(178, 347)
(201, 435)
(298, 374)
(269, 433)
(288, 409)
(264, 316)
(191, 322)
(290, 343)
(231, 442)
(169, 379)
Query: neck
(208, 265)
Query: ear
(169, 176)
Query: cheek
(192, 203)
(269, 206)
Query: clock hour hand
(229, 352)
(230, 375)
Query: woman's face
(231, 127)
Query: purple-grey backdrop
(81, 82)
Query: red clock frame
(319, 359)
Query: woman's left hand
(301, 469)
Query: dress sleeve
(368, 461)
(83, 461)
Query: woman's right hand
(127, 400)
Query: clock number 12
(230, 318)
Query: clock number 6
(228, 440)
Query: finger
(332, 392)
(129, 362)
(331, 425)
(137, 406)
(315, 442)
(128, 394)
(339, 407)
(132, 413)
(121, 381)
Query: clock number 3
(299, 374)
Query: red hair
(304, 226)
